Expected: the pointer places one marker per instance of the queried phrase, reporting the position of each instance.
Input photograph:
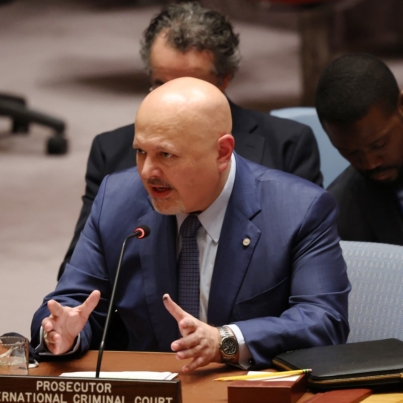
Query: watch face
(229, 346)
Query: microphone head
(142, 231)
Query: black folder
(354, 365)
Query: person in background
(244, 260)
(360, 106)
(187, 40)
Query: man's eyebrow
(158, 147)
(382, 136)
(163, 146)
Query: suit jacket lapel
(245, 129)
(239, 237)
(158, 265)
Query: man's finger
(188, 325)
(197, 351)
(47, 325)
(90, 303)
(52, 337)
(195, 363)
(185, 343)
(55, 308)
(174, 309)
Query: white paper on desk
(33, 364)
(141, 375)
(272, 378)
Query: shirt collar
(213, 217)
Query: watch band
(228, 345)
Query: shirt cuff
(42, 349)
(245, 357)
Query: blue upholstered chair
(375, 271)
(332, 163)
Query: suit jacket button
(246, 242)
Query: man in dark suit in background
(361, 109)
(188, 40)
(251, 250)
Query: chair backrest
(332, 163)
(375, 304)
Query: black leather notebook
(354, 365)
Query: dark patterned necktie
(188, 267)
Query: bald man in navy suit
(270, 272)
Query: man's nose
(370, 160)
(149, 168)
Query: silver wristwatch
(229, 344)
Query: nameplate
(33, 389)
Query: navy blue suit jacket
(286, 290)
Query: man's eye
(139, 151)
(379, 144)
(382, 142)
(167, 155)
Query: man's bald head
(184, 144)
(189, 101)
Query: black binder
(354, 365)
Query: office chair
(375, 271)
(16, 108)
(331, 162)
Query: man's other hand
(200, 341)
(64, 324)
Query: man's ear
(226, 145)
(224, 83)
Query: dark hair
(188, 25)
(351, 85)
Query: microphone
(140, 232)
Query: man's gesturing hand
(200, 341)
(65, 323)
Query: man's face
(373, 145)
(176, 161)
(168, 63)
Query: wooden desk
(197, 387)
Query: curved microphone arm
(141, 232)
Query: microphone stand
(140, 232)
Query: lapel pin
(246, 242)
